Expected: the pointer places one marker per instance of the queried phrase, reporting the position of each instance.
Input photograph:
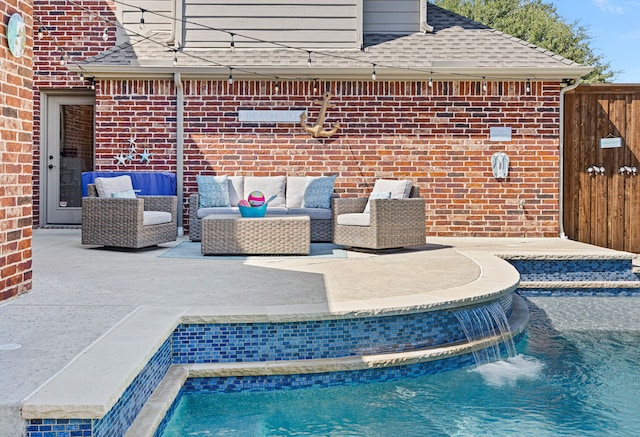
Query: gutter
(179, 149)
(162, 69)
(563, 91)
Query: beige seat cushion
(313, 213)
(354, 219)
(156, 217)
(106, 186)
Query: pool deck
(94, 311)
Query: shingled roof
(456, 48)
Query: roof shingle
(457, 45)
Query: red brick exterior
(15, 159)
(438, 137)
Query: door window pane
(76, 151)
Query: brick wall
(15, 159)
(438, 137)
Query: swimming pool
(577, 373)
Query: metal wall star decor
(129, 156)
(132, 150)
(121, 159)
(145, 156)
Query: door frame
(44, 189)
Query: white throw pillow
(295, 191)
(236, 189)
(268, 185)
(107, 186)
(399, 189)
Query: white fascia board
(363, 73)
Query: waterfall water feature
(485, 322)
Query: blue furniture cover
(149, 183)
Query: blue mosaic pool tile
(242, 342)
(575, 270)
(59, 428)
(506, 302)
(577, 292)
(294, 382)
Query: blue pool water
(575, 380)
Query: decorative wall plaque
(316, 131)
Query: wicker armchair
(119, 222)
(393, 223)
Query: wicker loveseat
(290, 194)
(392, 220)
(127, 222)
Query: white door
(68, 150)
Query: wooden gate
(602, 167)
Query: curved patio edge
(497, 277)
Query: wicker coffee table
(269, 235)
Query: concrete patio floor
(81, 293)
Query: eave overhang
(456, 72)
